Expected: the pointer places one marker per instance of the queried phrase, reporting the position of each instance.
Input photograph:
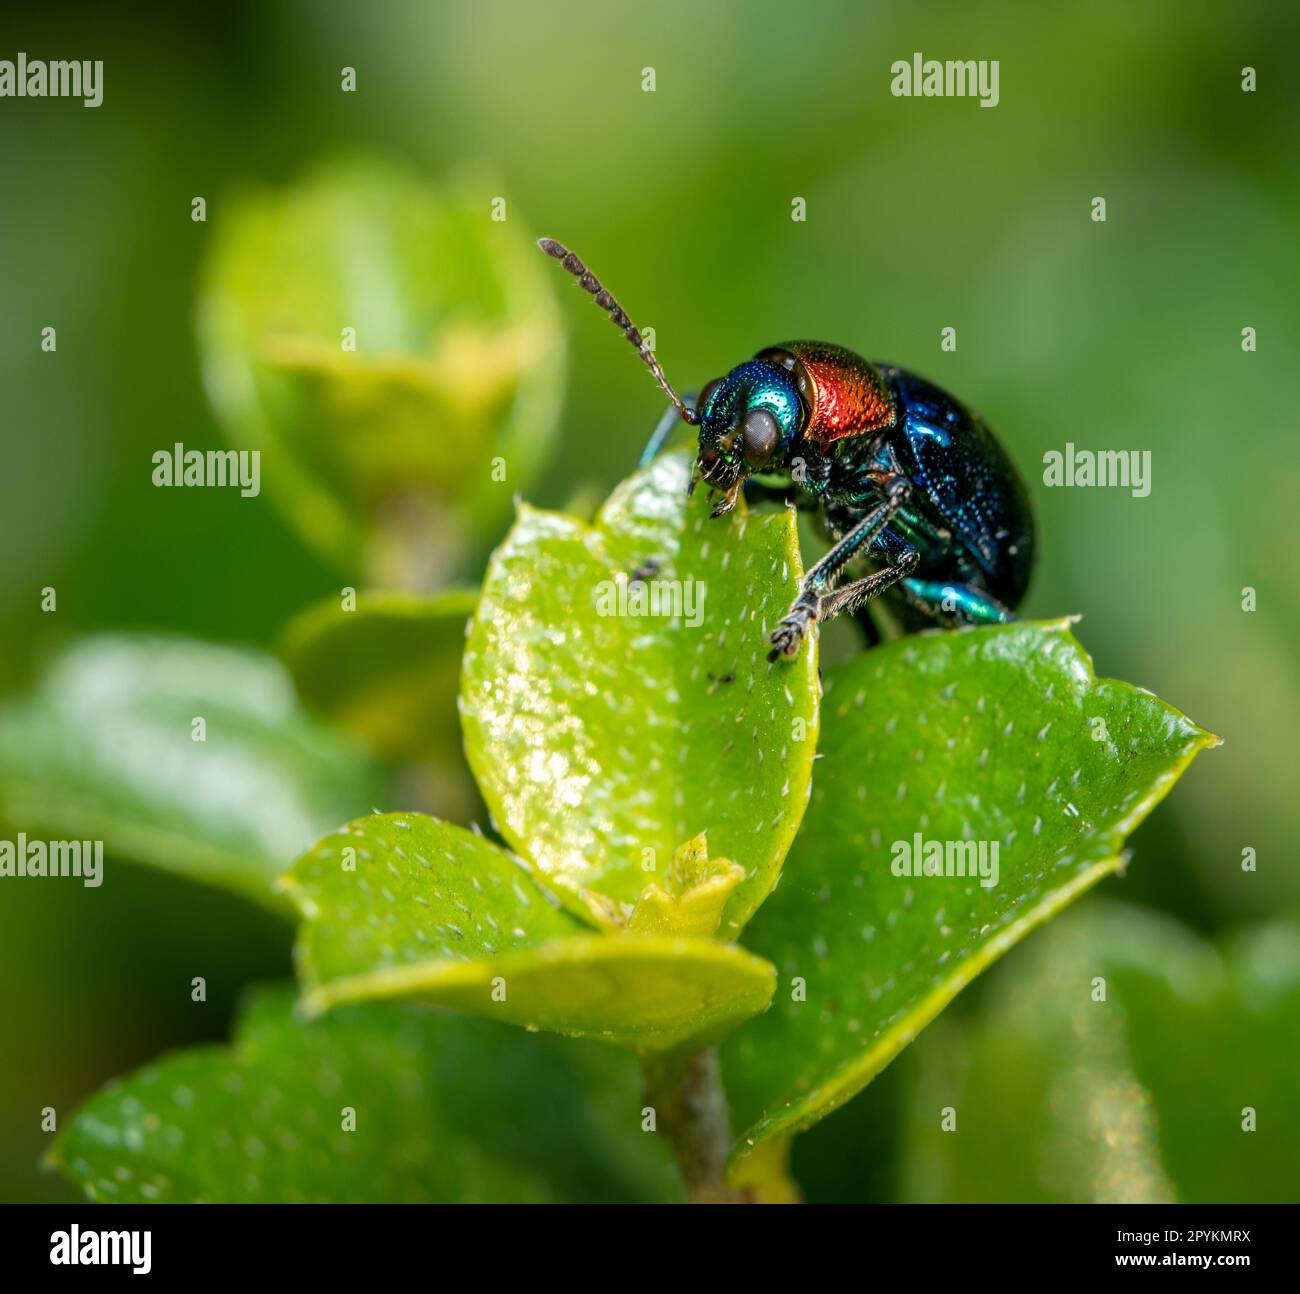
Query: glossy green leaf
(105, 749)
(1115, 1061)
(405, 906)
(1000, 736)
(387, 670)
(405, 439)
(604, 736)
(439, 1109)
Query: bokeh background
(921, 214)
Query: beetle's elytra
(920, 502)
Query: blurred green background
(921, 214)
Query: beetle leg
(789, 633)
(860, 591)
(811, 604)
(950, 604)
(897, 491)
(664, 429)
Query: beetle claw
(792, 630)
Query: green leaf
(392, 449)
(104, 749)
(444, 1110)
(1111, 1062)
(386, 671)
(604, 742)
(402, 905)
(1000, 735)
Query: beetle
(919, 501)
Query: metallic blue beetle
(921, 503)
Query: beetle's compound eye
(762, 435)
(702, 400)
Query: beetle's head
(748, 421)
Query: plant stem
(691, 1109)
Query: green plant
(648, 777)
(384, 348)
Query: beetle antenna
(592, 284)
